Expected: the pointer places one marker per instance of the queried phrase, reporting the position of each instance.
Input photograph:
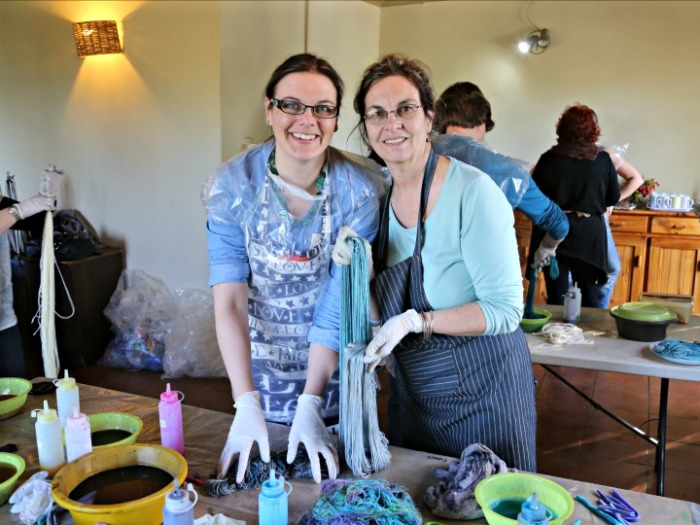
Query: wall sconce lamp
(98, 37)
(536, 42)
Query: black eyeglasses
(403, 112)
(292, 107)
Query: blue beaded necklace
(320, 181)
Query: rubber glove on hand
(50, 181)
(390, 335)
(543, 255)
(33, 498)
(248, 427)
(342, 253)
(308, 428)
(34, 205)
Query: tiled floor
(575, 440)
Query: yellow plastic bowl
(520, 486)
(535, 325)
(144, 511)
(116, 421)
(19, 388)
(15, 462)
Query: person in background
(462, 119)
(274, 215)
(580, 177)
(632, 181)
(447, 281)
(24, 215)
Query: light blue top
(513, 179)
(470, 251)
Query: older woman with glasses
(274, 213)
(447, 281)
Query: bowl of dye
(11, 468)
(642, 320)
(119, 485)
(535, 325)
(13, 395)
(501, 496)
(109, 429)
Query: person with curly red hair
(581, 178)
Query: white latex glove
(248, 427)
(390, 335)
(342, 254)
(50, 181)
(543, 255)
(308, 428)
(34, 205)
(33, 498)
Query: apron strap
(382, 239)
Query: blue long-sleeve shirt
(513, 179)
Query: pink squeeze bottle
(170, 415)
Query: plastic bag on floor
(191, 348)
(141, 311)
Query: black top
(579, 185)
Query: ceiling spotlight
(536, 42)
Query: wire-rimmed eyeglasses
(403, 112)
(294, 107)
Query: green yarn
(362, 502)
(360, 441)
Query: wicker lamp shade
(97, 37)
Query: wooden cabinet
(659, 252)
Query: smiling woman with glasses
(274, 215)
(447, 282)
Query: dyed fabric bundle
(359, 502)
(678, 350)
(361, 443)
(259, 471)
(453, 497)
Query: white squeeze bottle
(67, 397)
(49, 439)
(78, 436)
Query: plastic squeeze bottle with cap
(78, 436)
(533, 512)
(179, 509)
(67, 396)
(273, 502)
(170, 415)
(49, 439)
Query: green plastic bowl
(116, 421)
(518, 486)
(644, 311)
(535, 325)
(19, 388)
(16, 463)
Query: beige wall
(635, 63)
(137, 133)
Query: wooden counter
(659, 252)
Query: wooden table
(611, 353)
(206, 432)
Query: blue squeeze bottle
(533, 512)
(273, 502)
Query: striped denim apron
(455, 390)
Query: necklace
(320, 180)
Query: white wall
(634, 62)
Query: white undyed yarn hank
(47, 301)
